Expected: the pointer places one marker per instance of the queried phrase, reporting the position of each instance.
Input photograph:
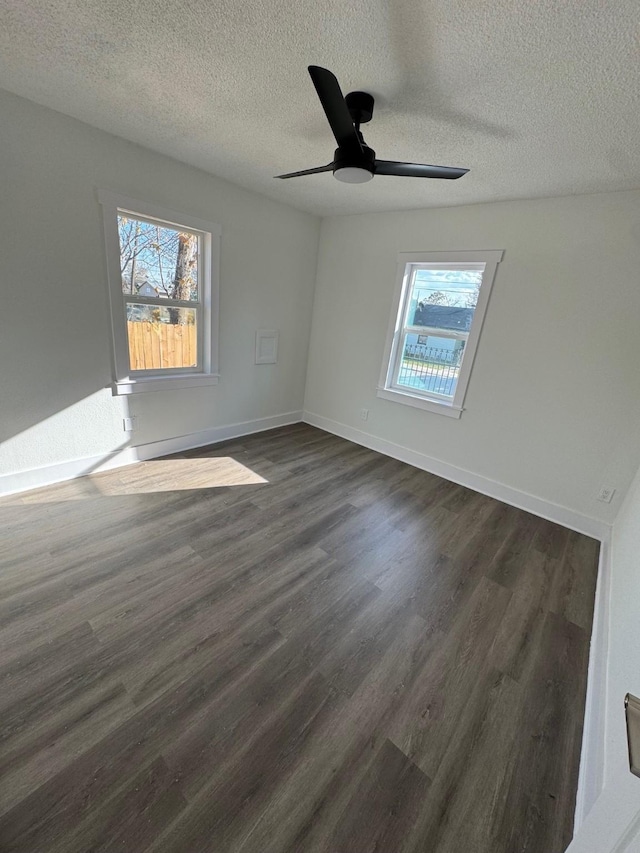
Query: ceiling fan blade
(417, 170)
(335, 108)
(327, 168)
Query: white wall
(623, 672)
(613, 824)
(553, 404)
(54, 328)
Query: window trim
(387, 389)
(125, 380)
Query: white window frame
(127, 381)
(408, 263)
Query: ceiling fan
(353, 161)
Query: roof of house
(444, 317)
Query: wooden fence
(156, 345)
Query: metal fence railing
(430, 368)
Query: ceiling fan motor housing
(364, 159)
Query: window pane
(444, 298)
(430, 364)
(161, 337)
(157, 261)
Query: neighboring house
(146, 289)
(453, 322)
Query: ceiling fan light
(353, 175)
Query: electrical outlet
(606, 493)
(129, 424)
(364, 414)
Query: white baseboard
(212, 436)
(47, 475)
(522, 500)
(592, 754)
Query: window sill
(447, 409)
(163, 383)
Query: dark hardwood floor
(288, 643)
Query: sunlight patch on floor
(157, 475)
(168, 475)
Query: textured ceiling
(536, 97)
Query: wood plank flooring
(288, 643)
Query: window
(162, 270)
(438, 309)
